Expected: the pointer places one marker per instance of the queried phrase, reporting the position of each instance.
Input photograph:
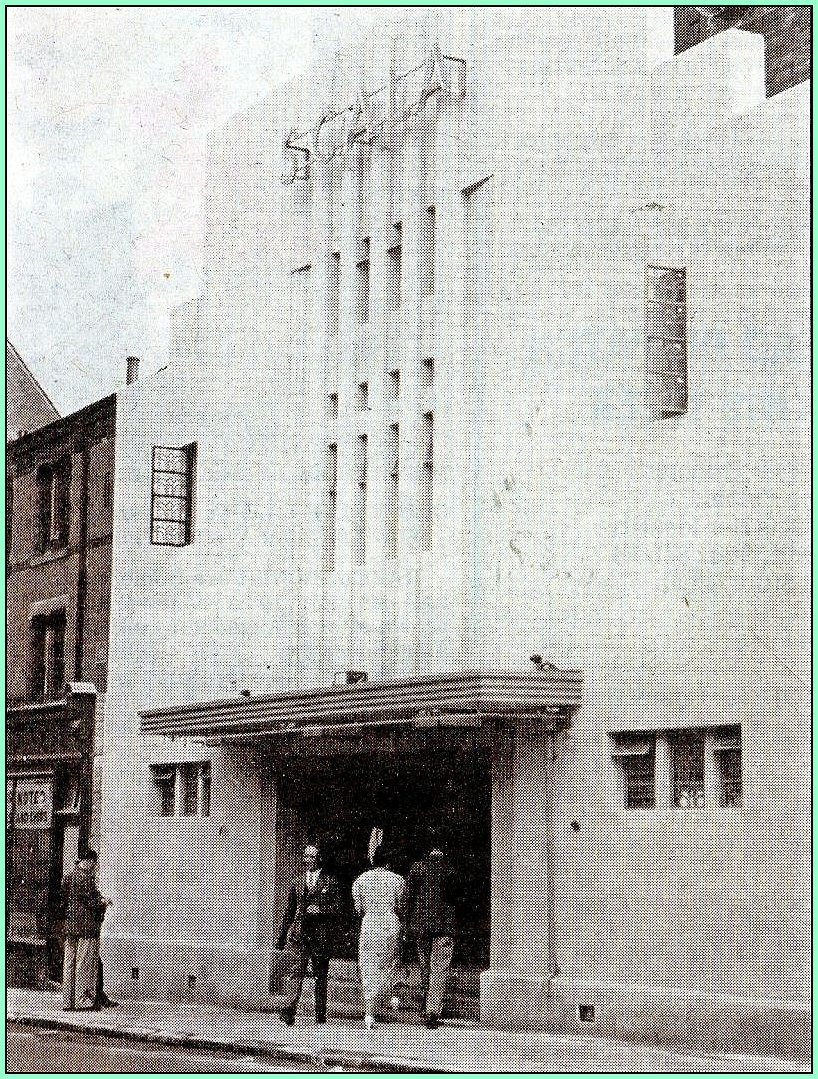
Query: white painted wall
(666, 558)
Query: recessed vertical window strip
(427, 252)
(392, 489)
(173, 472)
(359, 517)
(362, 283)
(334, 293)
(427, 468)
(330, 509)
(666, 326)
(393, 267)
(393, 386)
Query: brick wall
(787, 36)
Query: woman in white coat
(378, 896)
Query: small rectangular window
(427, 373)
(394, 385)
(330, 508)
(427, 252)
(164, 780)
(636, 757)
(727, 749)
(427, 481)
(362, 284)
(392, 472)
(334, 292)
(182, 790)
(172, 487)
(359, 517)
(666, 331)
(393, 269)
(687, 749)
(332, 406)
(362, 397)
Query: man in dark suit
(431, 894)
(307, 931)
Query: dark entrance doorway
(340, 799)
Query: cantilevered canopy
(548, 697)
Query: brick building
(787, 32)
(59, 490)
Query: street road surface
(42, 1052)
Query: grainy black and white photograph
(408, 507)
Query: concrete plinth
(701, 1022)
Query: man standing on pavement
(84, 910)
(430, 916)
(307, 930)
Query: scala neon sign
(336, 134)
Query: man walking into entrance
(430, 914)
(307, 931)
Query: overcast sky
(108, 111)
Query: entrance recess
(338, 801)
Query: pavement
(392, 1047)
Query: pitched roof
(28, 406)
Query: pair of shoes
(286, 1017)
(320, 1019)
(432, 1022)
(369, 1022)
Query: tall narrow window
(392, 466)
(334, 292)
(393, 269)
(359, 518)
(172, 483)
(54, 505)
(48, 656)
(688, 769)
(331, 507)
(426, 481)
(362, 397)
(666, 318)
(362, 284)
(332, 406)
(427, 252)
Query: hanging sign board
(33, 802)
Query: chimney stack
(132, 371)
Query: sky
(108, 113)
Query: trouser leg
(293, 984)
(87, 956)
(440, 959)
(69, 973)
(423, 950)
(320, 969)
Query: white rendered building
(514, 363)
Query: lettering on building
(336, 133)
(33, 803)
